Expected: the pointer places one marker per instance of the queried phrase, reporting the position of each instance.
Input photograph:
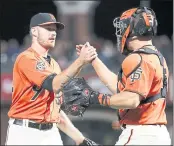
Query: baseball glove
(76, 96)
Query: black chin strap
(126, 51)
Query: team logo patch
(136, 74)
(52, 17)
(40, 65)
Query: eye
(51, 29)
(48, 29)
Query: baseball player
(34, 116)
(139, 90)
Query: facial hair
(45, 44)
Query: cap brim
(59, 25)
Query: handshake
(86, 53)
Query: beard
(46, 43)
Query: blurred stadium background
(85, 21)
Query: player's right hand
(87, 53)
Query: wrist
(80, 140)
(94, 61)
(94, 98)
(98, 98)
(88, 142)
(80, 62)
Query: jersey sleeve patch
(136, 75)
(40, 65)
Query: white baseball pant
(144, 135)
(24, 135)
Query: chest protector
(163, 92)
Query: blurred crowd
(64, 52)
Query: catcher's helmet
(139, 21)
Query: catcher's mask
(139, 21)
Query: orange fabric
(128, 13)
(25, 76)
(106, 100)
(146, 19)
(123, 40)
(100, 98)
(133, 60)
(147, 82)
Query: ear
(34, 31)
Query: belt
(124, 125)
(40, 126)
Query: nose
(53, 34)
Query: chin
(49, 46)
(52, 46)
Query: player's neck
(39, 49)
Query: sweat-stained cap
(45, 18)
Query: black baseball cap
(43, 19)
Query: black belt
(40, 126)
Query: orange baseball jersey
(29, 99)
(146, 80)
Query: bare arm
(125, 100)
(60, 79)
(86, 55)
(122, 100)
(106, 76)
(68, 128)
(77, 74)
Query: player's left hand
(77, 95)
(88, 142)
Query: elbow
(55, 90)
(135, 101)
(55, 85)
(135, 104)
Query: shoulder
(25, 56)
(130, 63)
(54, 62)
(56, 65)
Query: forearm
(77, 74)
(123, 100)
(68, 128)
(105, 75)
(60, 79)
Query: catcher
(139, 89)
